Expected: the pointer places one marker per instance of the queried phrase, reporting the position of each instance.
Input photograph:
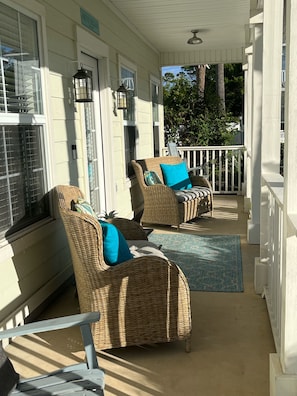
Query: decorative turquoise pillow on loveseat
(115, 247)
(176, 176)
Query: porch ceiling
(166, 26)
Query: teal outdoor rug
(211, 263)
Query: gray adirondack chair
(79, 379)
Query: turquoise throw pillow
(151, 178)
(176, 176)
(115, 247)
(82, 206)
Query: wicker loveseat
(141, 301)
(165, 205)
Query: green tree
(234, 88)
(194, 116)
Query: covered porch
(231, 337)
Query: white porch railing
(222, 165)
(272, 249)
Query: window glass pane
(4, 207)
(23, 186)
(20, 84)
(155, 102)
(128, 79)
(22, 177)
(156, 141)
(130, 149)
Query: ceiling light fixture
(195, 39)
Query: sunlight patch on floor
(33, 355)
(120, 374)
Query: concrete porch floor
(231, 337)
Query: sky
(171, 69)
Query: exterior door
(93, 139)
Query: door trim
(94, 47)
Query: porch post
(283, 365)
(271, 100)
(248, 89)
(253, 231)
(271, 121)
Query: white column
(270, 130)
(253, 232)
(283, 366)
(271, 98)
(289, 322)
(248, 96)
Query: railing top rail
(275, 183)
(233, 147)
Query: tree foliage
(234, 88)
(192, 118)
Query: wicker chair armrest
(160, 194)
(83, 320)
(129, 228)
(200, 181)
(150, 271)
(140, 272)
(51, 324)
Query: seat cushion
(141, 248)
(176, 176)
(192, 193)
(115, 247)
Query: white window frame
(156, 82)
(125, 64)
(35, 11)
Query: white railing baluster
(220, 170)
(232, 171)
(239, 173)
(226, 171)
(213, 167)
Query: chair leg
(188, 345)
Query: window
(130, 149)
(155, 101)
(128, 79)
(156, 123)
(22, 164)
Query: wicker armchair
(161, 205)
(141, 301)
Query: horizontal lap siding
(30, 272)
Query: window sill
(24, 239)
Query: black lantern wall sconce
(82, 81)
(122, 98)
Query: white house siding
(37, 262)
